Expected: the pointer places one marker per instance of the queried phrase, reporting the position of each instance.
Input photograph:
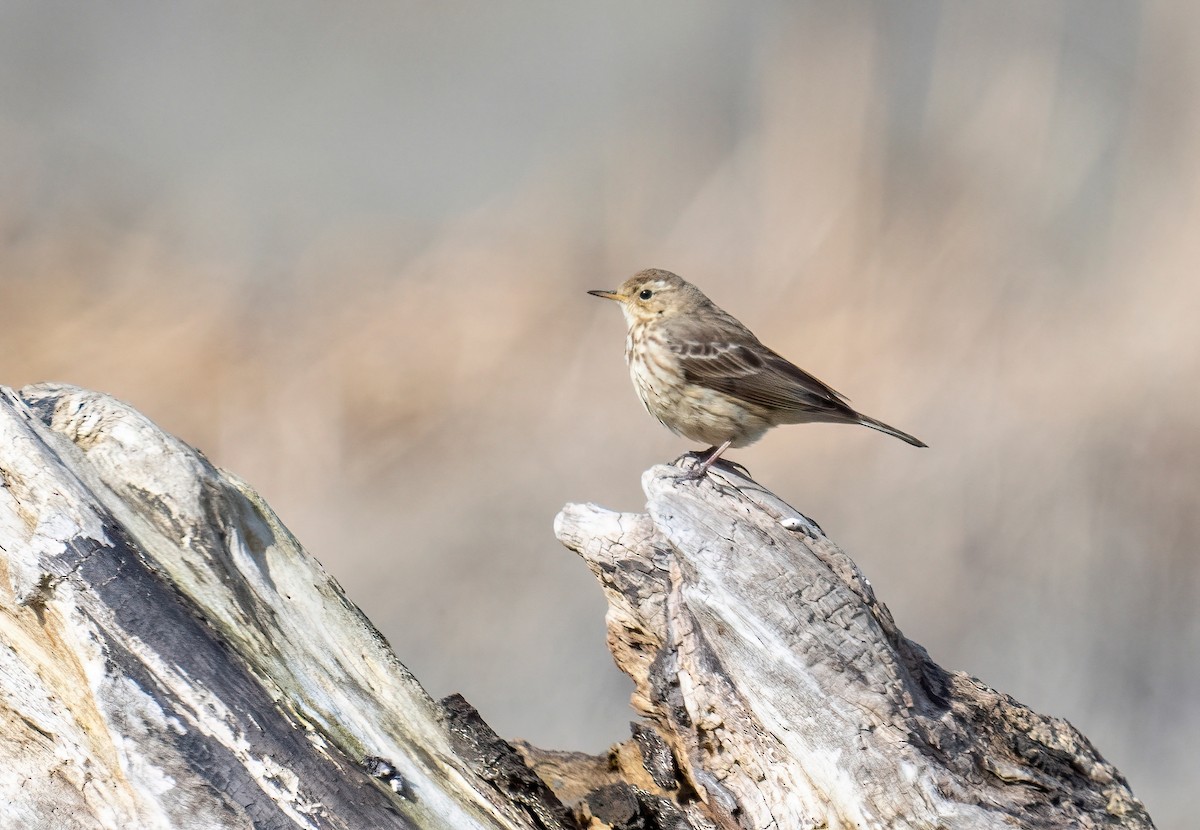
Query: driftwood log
(170, 657)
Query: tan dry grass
(417, 419)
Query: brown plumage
(706, 377)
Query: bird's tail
(890, 430)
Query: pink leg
(699, 472)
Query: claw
(711, 455)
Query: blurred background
(343, 250)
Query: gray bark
(171, 657)
(781, 693)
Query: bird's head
(655, 294)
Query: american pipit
(706, 377)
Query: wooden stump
(781, 693)
(172, 658)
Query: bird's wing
(746, 369)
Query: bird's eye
(646, 294)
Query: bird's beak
(609, 295)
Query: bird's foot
(703, 463)
(699, 464)
(695, 455)
(738, 468)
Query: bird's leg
(699, 471)
(708, 462)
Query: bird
(706, 377)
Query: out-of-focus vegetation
(344, 253)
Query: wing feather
(744, 368)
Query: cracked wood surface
(786, 693)
(170, 657)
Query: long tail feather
(890, 430)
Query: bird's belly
(695, 412)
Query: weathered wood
(172, 658)
(788, 696)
